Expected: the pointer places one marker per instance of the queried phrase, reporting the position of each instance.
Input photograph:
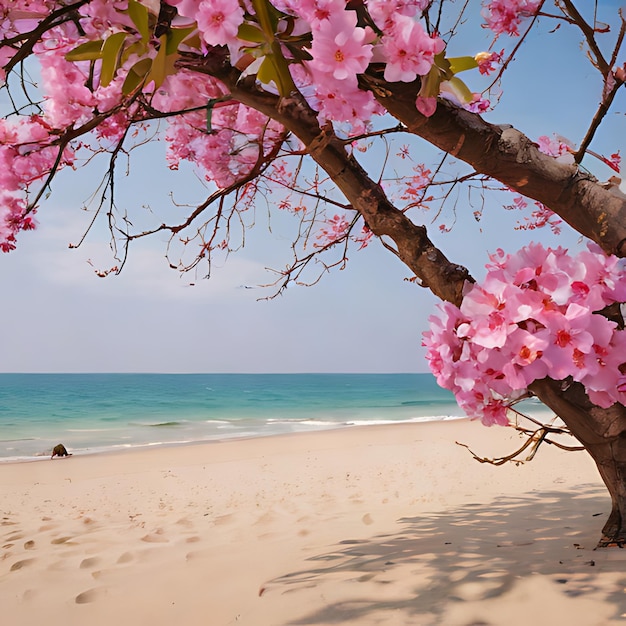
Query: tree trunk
(603, 434)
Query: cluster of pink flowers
(539, 218)
(225, 140)
(25, 157)
(23, 16)
(231, 147)
(333, 230)
(487, 61)
(554, 146)
(534, 315)
(413, 186)
(505, 16)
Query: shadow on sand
(474, 553)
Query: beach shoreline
(392, 524)
(157, 445)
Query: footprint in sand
(21, 564)
(223, 519)
(29, 594)
(89, 562)
(59, 540)
(127, 557)
(29, 545)
(91, 595)
(155, 537)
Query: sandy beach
(381, 525)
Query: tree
(290, 95)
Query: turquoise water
(97, 412)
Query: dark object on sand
(59, 450)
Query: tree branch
(445, 279)
(505, 154)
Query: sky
(58, 316)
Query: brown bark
(603, 434)
(505, 154)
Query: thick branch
(589, 423)
(507, 155)
(415, 249)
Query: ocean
(92, 413)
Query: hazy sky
(58, 316)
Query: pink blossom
(6, 54)
(486, 61)
(414, 185)
(335, 228)
(68, 100)
(533, 316)
(12, 220)
(341, 49)
(478, 104)
(539, 218)
(505, 16)
(315, 12)
(409, 50)
(218, 20)
(342, 101)
(495, 413)
(553, 146)
(426, 106)
(384, 11)
(101, 17)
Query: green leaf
(443, 65)
(88, 51)
(158, 70)
(136, 76)
(267, 16)
(110, 57)
(267, 71)
(460, 90)
(431, 83)
(138, 13)
(138, 47)
(176, 36)
(461, 64)
(248, 32)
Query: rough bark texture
(505, 155)
(603, 434)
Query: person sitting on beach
(59, 450)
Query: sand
(381, 525)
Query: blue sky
(58, 316)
